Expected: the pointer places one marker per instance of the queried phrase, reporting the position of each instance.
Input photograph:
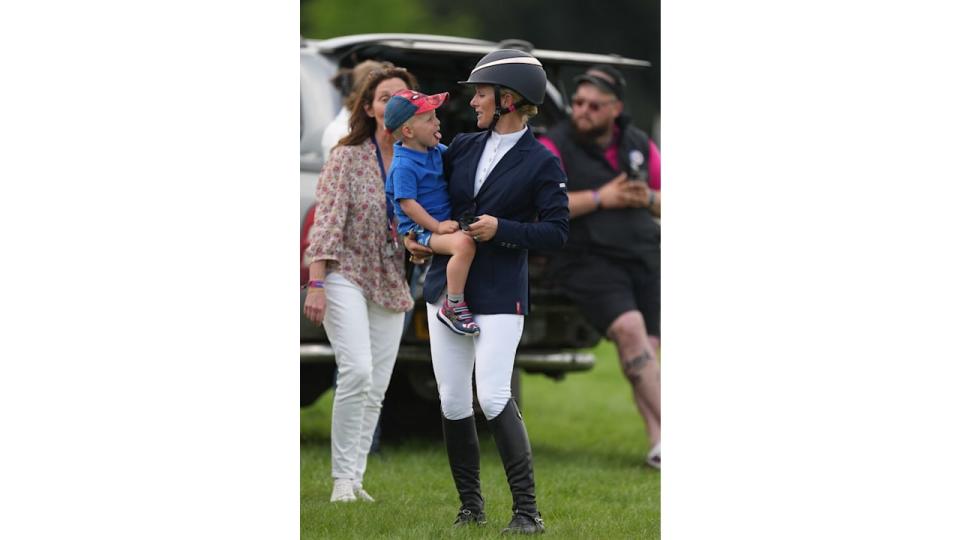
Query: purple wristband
(596, 197)
(315, 284)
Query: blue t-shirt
(418, 175)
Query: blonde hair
(527, 110)
(398, 133)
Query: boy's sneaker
(458, 318)
(342, 490)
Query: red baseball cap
(406, 103)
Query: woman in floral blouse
(357, 288)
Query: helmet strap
(498, 112)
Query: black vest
(622, 233)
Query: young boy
(419, 192)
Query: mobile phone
(466, 220)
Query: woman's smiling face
(482, 103)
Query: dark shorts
(605, 288)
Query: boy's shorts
(423, 235)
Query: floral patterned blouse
(350, 230)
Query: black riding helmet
(509, 68)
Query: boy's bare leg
(461, 249)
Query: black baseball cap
(607, 78)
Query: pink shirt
(610, 152)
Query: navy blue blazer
(527, 194)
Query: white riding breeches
(454, 358)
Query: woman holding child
(508, 193)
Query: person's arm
(326, 236)
(583, 202)
(549, 231)
(333, 200)
(655, 178)
(404, 181)
(617, 193)
(651, 200)
(421, 217)
(315, 306)
(418, 253)
(650, 191)
(654, 166)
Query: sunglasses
(594, 106)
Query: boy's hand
(448, 227)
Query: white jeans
(455, 356)
(365, 338)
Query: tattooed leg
(641, 368)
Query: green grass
(588, 447)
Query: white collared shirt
(497, 146)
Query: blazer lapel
(461, 184)
(510, 160)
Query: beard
(589, 135)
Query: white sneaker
(342, 490)
(362, 494)
(653, 458)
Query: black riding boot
(511, 437)
(463, 450)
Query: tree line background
(630, 28)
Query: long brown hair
(362, 127)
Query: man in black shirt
(611, 264)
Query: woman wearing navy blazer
(517, 191)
